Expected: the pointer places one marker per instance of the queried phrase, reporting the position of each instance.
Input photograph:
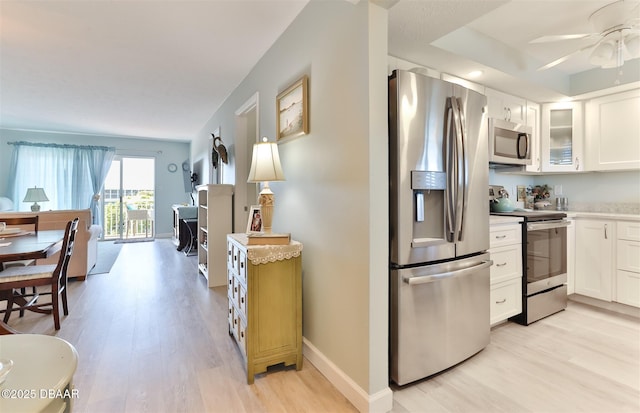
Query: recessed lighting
(475, 73)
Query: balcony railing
(134, 225)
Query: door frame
(121, 225)
(247, 132)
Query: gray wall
(169, 186)
(335, 197)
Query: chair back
(15, 221)
(67, 249)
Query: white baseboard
(381, 401)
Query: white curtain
(72, 176)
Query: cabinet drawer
(242, 300)
(507, 263)
(230, 277)
(506, 300)
(242, 335)
(628, 255)
(505, 235)
(230, 254)
(628, 230)
(231, 316)
(628, 288)
(242, 266)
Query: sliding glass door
(129, 199)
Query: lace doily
(264, 254)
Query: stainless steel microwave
(509, 143)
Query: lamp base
(266, 201)
(266, 209)
(35, 207)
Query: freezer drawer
(439, 316)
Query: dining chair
(32, 223)
(14, 279)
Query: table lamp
(265, 167)
(35, 195)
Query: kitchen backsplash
(607, 192)
(606, 207)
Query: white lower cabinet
(628, 263)
(594, 258)
(506, 271)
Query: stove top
(531, 216)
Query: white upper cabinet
(533, 120)
(507, 107)
(562, 136)
(613, 132)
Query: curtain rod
(58, 145)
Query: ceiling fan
(616, 33)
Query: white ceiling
(160, 69)
(133, 68)
(458, 36)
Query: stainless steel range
(544, 258)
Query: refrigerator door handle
(459, 169)
(450, 156)
(423, 279)
(464, 166)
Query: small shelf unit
(215, 221)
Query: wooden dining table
(27, 245)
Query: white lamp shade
(35, 195)
(265, 163)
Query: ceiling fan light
(603, 54)
(632, 44)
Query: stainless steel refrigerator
(439, 225)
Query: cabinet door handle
(605, 232)
(500, 236)
(577, 163)
(241, 264)
(501, 301)
(501, 265)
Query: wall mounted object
(292, 110)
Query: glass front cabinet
(562, 137)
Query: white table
(42, 373)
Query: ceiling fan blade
(560, 37)
(566, 57)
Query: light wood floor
(152, 338)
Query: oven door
(546, 255)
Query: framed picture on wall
(254, 224)
(292, 112)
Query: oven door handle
(537, 226)
(423, 279)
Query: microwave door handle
(459, 169)
(450, 151)
(526, 145)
